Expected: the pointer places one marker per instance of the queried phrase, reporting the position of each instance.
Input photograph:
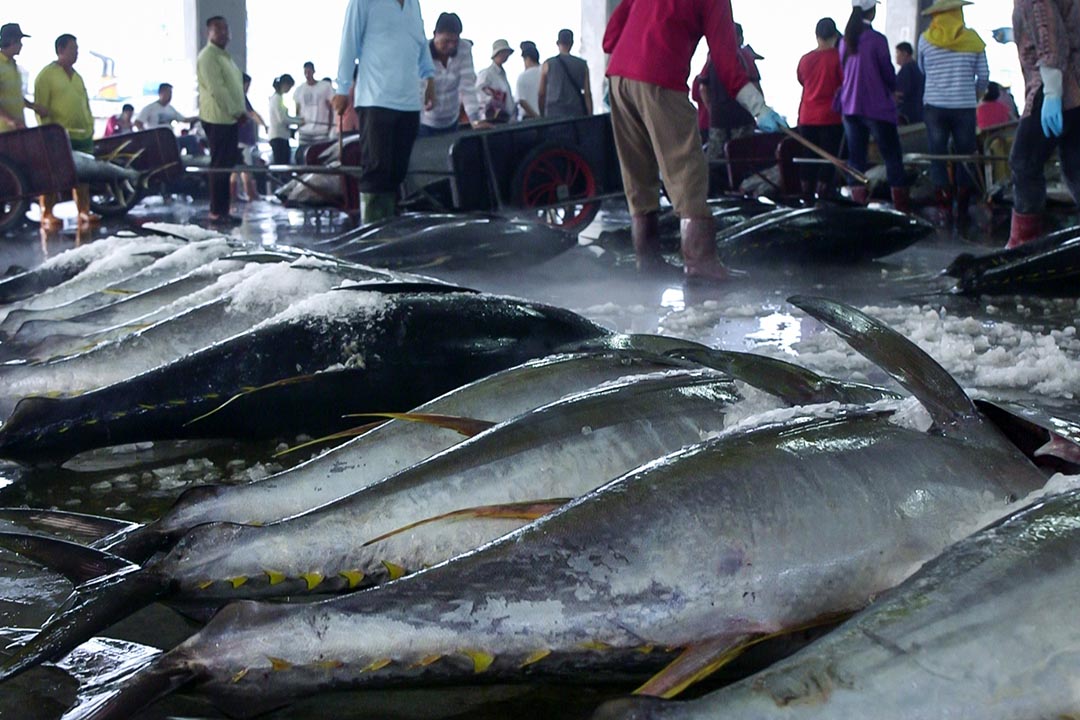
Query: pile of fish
(751, 231)
(632, 508)
(1049, 266)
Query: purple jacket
(869, 79)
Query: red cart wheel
(13, 200)
(558, 181)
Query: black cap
(10, 33)
(566, 37)
(826, 29)
(448, 23)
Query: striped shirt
(954, 80)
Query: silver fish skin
(986, 631)
(399, 444)
(743, 535)
(559, 451)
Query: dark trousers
(280, 148)
(828, 138)
(958, 125)
(224, 142)
(858, 129)
(1032, 149)
(386, 141)
(428, 131)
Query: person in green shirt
(221, 110)
(61, 92)
(12, 102)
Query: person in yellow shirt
(61, 92)
(12, 102)
(221, 110)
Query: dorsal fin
(948, 404)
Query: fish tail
(92, 607)
(123, 697)
(89, 528)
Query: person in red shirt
(655, 125)
(821, 76)
(122, 123)
(991, 110)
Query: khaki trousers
(656, 135)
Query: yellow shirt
(66, 100)
(221, 86)
(11, 92)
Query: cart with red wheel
(153, 155)
(33, 161)
(555, 170)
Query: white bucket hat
(499, 46)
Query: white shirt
(156, 115)
(494, 93)
(314, 102)
(280, 119)
(455, 84)
(528, 89)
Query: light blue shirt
(388, 40)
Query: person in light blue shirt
(384, 40)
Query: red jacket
(820, 75)
(652, 41)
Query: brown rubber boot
(699, 251)
(645, 232)
(1025, 228)
(860, 194)
(943, 197)
(901, 200)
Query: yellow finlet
(204, 585)
(278, 664)
(396, 571)
(237, 581)
(429, 660)
(354, 577)
(594, 645)
(376, 665)
(313, 579)
(535, 657)
(275, 576)
(329, 664)
(481, 660)
(240, 675)
(646, 649)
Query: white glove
(752, 99)
(1051, 80)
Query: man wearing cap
(61, 92)
(651, 43)
(12, 101)
(493, 89)
(564, 82)
(455, 80)
(1047, 34)
(385, 41)
(953, 59)
(221, 110)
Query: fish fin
(693, 664)
(141, 683)
(469, 427)
(87, 527)
(528, 511)
(93, 606)
(295, 380)
(78, 563)
(344, 434)
(1037, 433)
(407, 287)
(1060, 448)
(949, 406)
(792, 383)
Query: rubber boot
(943, 197)
(645, 232)
(901, 200)
(859, 194)
(1025, 228)
(963, 202)
(700, 261)
(376, 206)
(49, 221)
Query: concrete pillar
(904, 21)
(235, 12)
(594, 17)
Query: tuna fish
(985, 631)
(704, 550)
(1051, 272)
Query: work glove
(1053, 123)
(767, 119)
(1003, 35)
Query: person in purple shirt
(866, 101)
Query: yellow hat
(941, 6)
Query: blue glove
(1003, 35)
(771, 121)
(1053, 124)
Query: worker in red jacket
(651, 43)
